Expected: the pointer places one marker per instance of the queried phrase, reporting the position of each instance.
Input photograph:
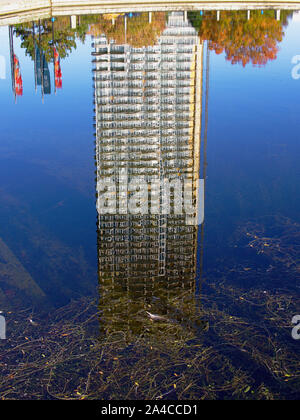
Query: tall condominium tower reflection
(148, 106)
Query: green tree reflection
(65, 38)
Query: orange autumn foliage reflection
(243, 41)
(139, 32)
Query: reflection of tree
(140, 32)
(244, 41)
(64, 36)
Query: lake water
(101, 281)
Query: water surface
(179, 95)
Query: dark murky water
(136, 300)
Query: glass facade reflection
(148, 123)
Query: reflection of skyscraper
(148, 123)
